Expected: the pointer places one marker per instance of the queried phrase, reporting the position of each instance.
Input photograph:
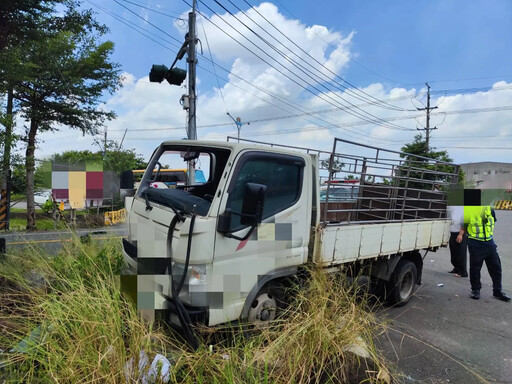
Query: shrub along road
(443, 336)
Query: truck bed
(347, 243)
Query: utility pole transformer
(427, 128)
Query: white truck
(221, 250)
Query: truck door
(281, 240)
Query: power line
(354, 60)
(148, 22)
(249, 83)
(341, 126)
(299, 66)
(119, 18)
(135, 27)
(213, 65)
(354, 90)
(320, 95)
(176, 17)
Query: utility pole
(427, 128)
(191, 59)
(176, 76)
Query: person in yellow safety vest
(479, 223)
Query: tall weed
(77, 327)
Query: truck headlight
(197, 275)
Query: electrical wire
(353, 90)
(360, 113)
(263, 90)
(146, 21)
(136, 28)
(374, 121)
(213, 66)
(177, 17)
(328, 99)
(311, 113)
(352, 59)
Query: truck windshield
(161, 183)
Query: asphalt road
(443, 336)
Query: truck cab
(218, 241)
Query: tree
(419, 148)
(68, 71)
(19, 22)
(337, 166)
(116, 160)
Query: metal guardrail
(115, 217)
(503, 205)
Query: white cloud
(151, 112)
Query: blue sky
(388, 50)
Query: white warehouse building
(489, 175)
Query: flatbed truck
(220, 251)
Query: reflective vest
(480, 223)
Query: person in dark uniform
(479, 222)
(458, 241)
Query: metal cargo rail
(379, 185)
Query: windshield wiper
(168, 203)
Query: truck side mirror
(252, 206)
(126, 183)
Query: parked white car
(42, 197)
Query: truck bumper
(196, 315)
(170, 313)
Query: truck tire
(267, 305)
(402, 283)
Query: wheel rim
(406, 285)
(263, 309)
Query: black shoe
(501, 296)
(475, 294)
(462, 274)
(453, 271)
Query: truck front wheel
(402, 283)
(267, 304)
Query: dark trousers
(458, 253)
(480, 251)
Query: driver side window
(282, 175)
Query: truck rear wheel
(402, 283)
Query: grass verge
(75, 326)
(68, 310)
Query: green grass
(88, 330)
(20, 224)
(84, 330)
(18, 220)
